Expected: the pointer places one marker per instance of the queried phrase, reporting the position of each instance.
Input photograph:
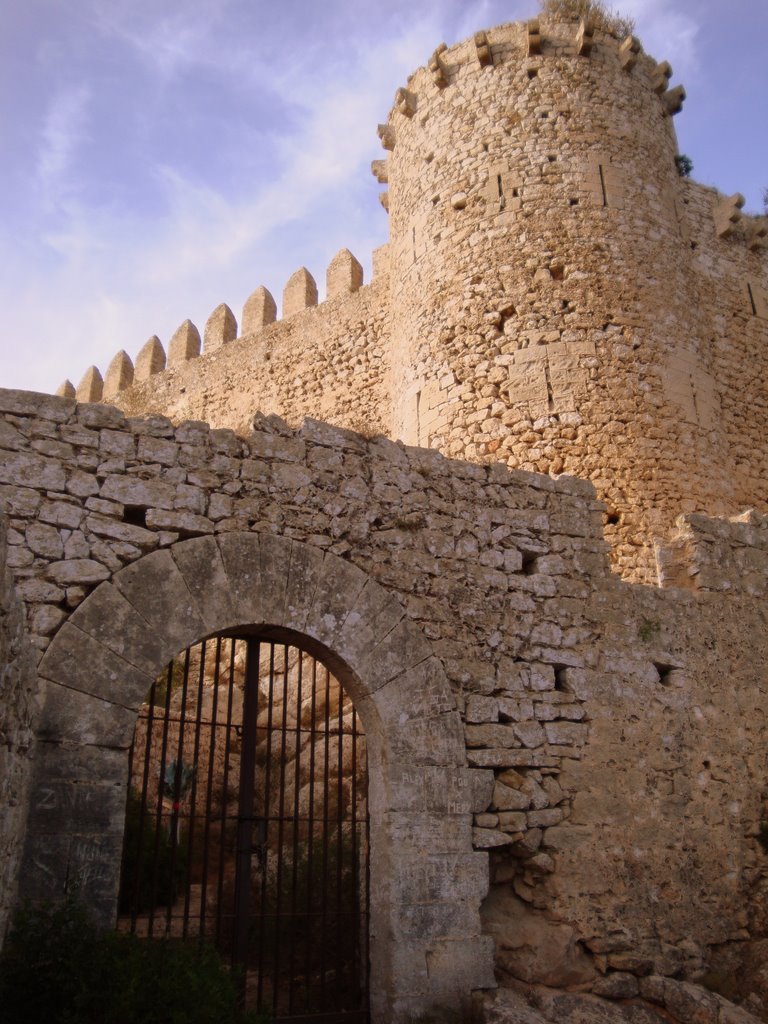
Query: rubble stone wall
(558, 298)
(612, 732)
(327, 361)
(18, 686)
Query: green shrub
(150, 863)
(58, 968)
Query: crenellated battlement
(553, 294)
(344, 277)
(530, 43)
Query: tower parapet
(547, 301)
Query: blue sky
(162, 156)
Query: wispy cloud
(667, 32)
(63, 131)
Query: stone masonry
(553, 295)
(614, 764)
(561, 678)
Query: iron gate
(247, 824)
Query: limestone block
(661, 76)
(108, 617)
(241, 558)
(437, 67)
(32, 403)
(200, 563)
(483, 49)
(27, 469)
(727, 214)
(344, 275)
(91, 386)
(184, 345)
(150, 360)
(119, 375)
(673, 100)
(137, 493)
(534, 38)
(299, 293)
(629, 50)
(405, 102)
(384, 200)
(186, 524)
(220, 328)
(66, 389)
(758, 298)
(71, 716)
(584, 38)
(77, 570)
(387, 135)
(96, 804)
(157, 590)
(259, 310)
(533, 948)
(306, 568)
(380, 171)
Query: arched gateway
(426, 950)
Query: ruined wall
(615, 728)
(17, 719)
(327, 361)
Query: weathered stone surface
(220, 328)
(259, 310)
(150, 360)
(119, 375)
(184, 345)
(344, 275)
(532, 948)
(299, 293)
(77, 570)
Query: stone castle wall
(559, 298)
(18, 690)
(620, 766)
(328, 361)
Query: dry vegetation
(601, 16)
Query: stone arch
(427, 951)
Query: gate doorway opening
(247, 824)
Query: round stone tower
(545, 308)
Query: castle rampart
(558, 297)
(610, 771)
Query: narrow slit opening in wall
(561, 679)
(573, 202)
(602, 184)
(532, 73)
(500, 188)
(528, 568)
(135, 515)
(752, 299)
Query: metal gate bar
(247, 824)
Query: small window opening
(665, 673)
(613, 519)
(557, 271)
(528, 567)
(573, 202)
(561, 679)
(533, 73)
(135, 515)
